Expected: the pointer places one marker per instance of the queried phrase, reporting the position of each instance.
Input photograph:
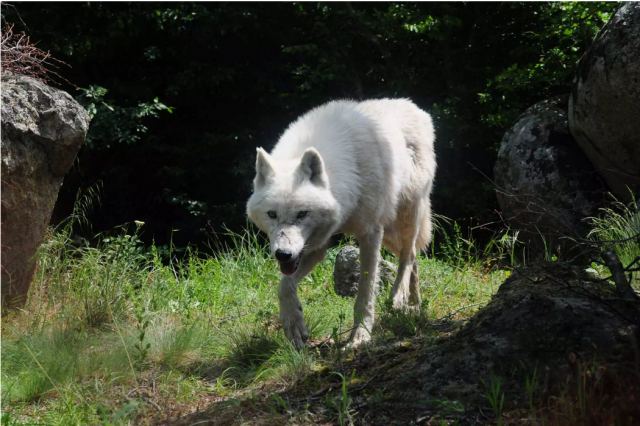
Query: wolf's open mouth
(289, 267)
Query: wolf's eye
(302, 214)
(272, 214)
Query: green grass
(495, 397)
(618, 228)
(111, 333)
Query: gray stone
(539, 315)
(42, 131)
(545, 185)
(604, 108)
(346, 272)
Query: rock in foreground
(42, 131)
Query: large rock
(545, 184)
(552, 319)
(42, 130)
(604, 109)
(346, 271)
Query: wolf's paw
(295, 330)
(404, 302)
(359, 336)
(406, 308)
(400, 302)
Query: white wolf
(364, 168)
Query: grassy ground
(116, 334)
(113, 335)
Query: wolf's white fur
(364, 168)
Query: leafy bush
(114, 124)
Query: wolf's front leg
(290, 307)
(291, 312)
(364, 309)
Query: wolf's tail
(426, 230)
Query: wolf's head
(292, 203)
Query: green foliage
(459, 250)
(98, 277)
(494, 395)
(141, 314)
(558, 36)
(403, 324)
(619, 227)
(531, 387)
(7, 419)
(235, 76)
(506, 247)
(341, 403)
(449, 406)
(115, 124)
(287, 364)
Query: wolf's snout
(288, 263)
(283, 255)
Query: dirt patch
(553, 342)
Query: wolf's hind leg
(423, 240)
(415, 300)
(405, 294)
(290, 306)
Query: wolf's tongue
(288, 268)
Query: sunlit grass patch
(457, 291)
(38, 364)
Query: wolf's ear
(264, 169)
(312, 168)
